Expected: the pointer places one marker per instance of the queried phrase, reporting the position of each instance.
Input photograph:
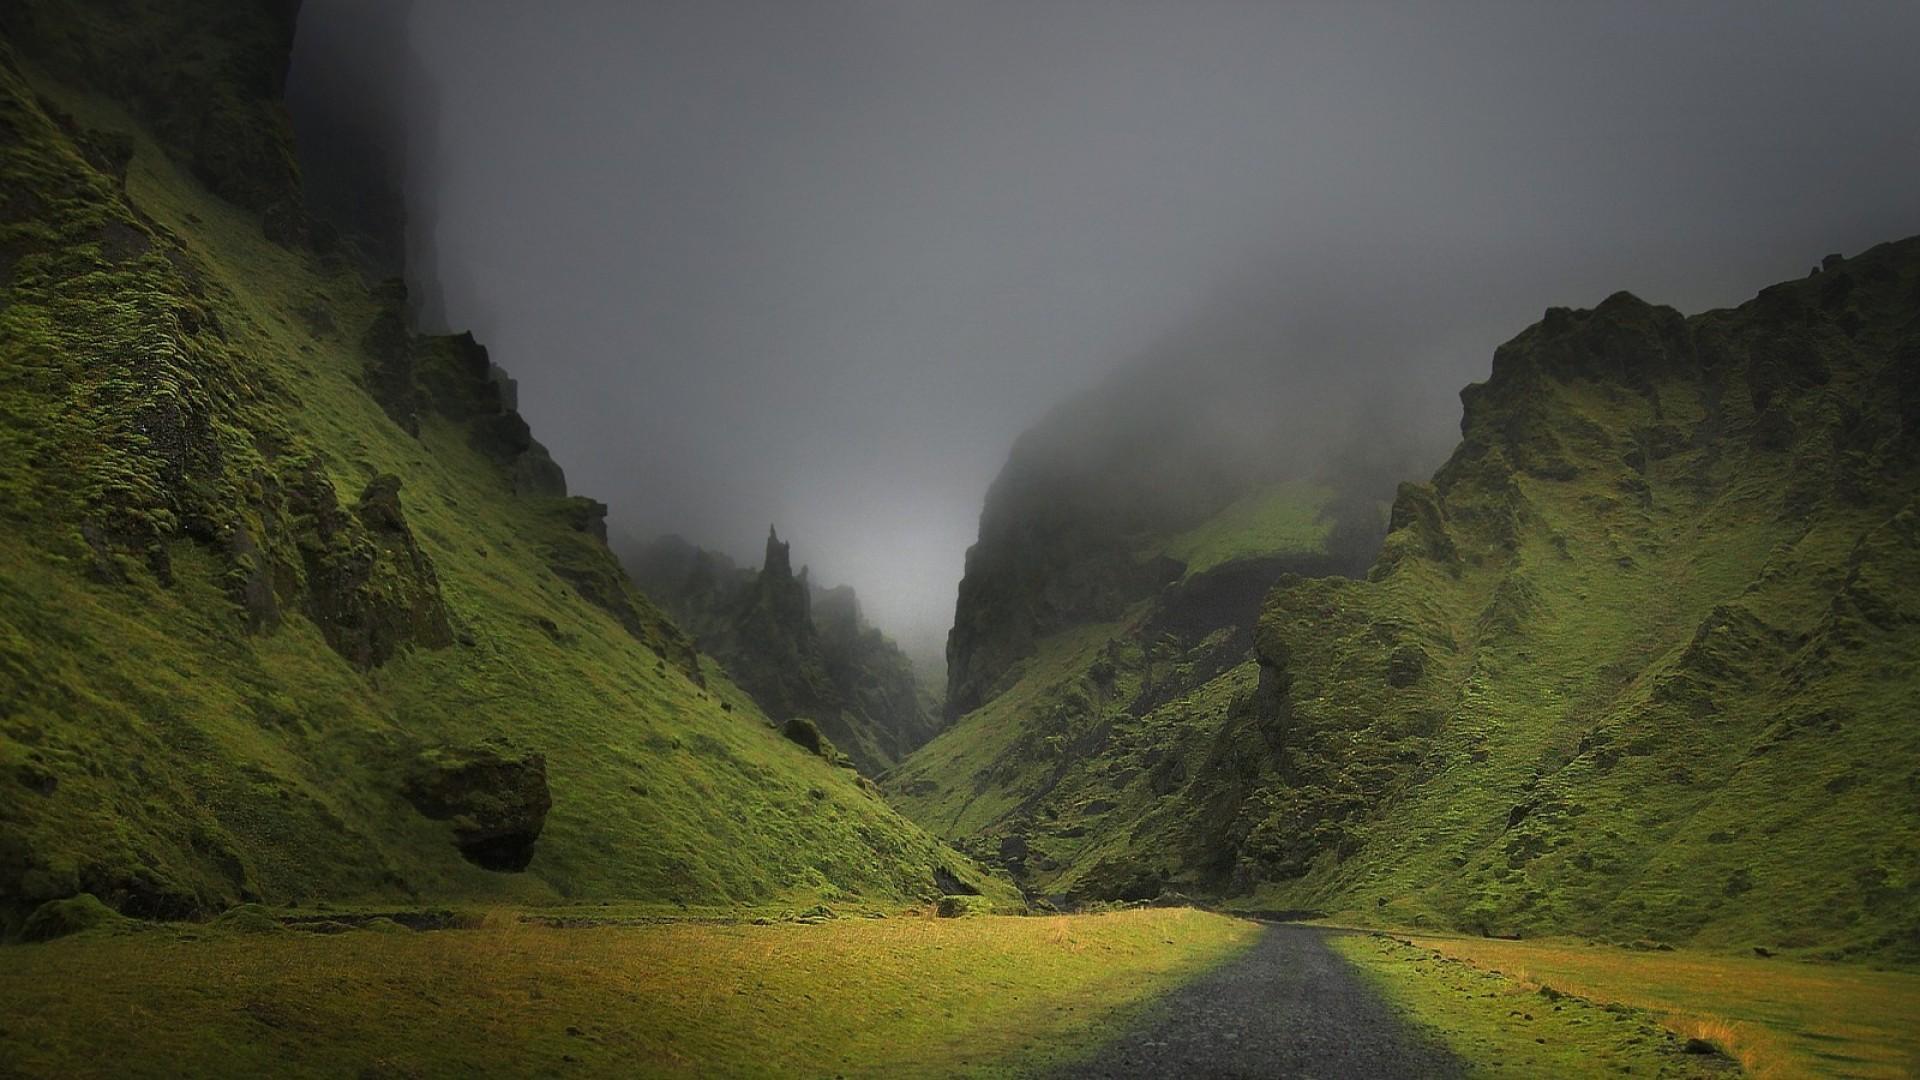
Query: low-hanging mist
(820, 264)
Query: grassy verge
(1779, 1018)
(1506, 1027)
(901, 996)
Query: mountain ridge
(1646, 587)
(295, 610)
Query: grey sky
(818, 262)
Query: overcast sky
(818, 262)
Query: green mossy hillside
(1101, 656)
(1193, 458)
(1638, 664)
(1062, 778)
(1642, 661)
(263, 553)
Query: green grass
(1284, 519)
(904, 996)
(978, 770)
(1060, 767)
(1778, 1017)
(1503, 1027)
(155, 752)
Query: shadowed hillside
(800, 650)
(292, 606)
(1104, 628)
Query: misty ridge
(820, 266)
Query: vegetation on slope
(1635, 664)
(934, 997)
(1639, 662)
(1060, 778)
(801, 651)
(1168, 469)
(290, 605)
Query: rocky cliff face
(268, 553)
(1637, 662)
(1105, 623)
(1069, 531)
(801, 651)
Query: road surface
(1288, 1007)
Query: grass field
(1778, 1018)
(1502, 1027)
(903, 996)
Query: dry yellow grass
(904, 996)
(1778, 1018)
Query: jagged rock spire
(778, 561)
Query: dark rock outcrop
(215, 107)
(494, 795)
(797, 649)
(365, 581)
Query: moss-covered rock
(366, 581)
(74, 915)
(249, 919)
(960, 906)
(495, 796)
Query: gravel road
(1288, 1007)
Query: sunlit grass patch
(1777, 1017)
(910, 995)
(1502, 1026)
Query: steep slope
(1639, 663)
(291, 605)
(798, 649)
(1104, 625)
(1229, 438)
(1641, 660)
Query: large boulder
(495, 796)
(73, 915)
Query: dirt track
(1288, 1007)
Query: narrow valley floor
(591, 991)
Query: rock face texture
(1635, 662)
(799, 650)
(262, 544)
(369, 586)
(495, 796)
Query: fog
(819, 263)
